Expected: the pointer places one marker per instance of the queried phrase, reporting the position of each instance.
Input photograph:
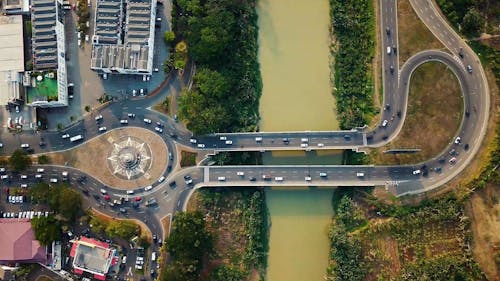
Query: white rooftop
(11, 56)
(11, 43)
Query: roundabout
(123, 158)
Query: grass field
(435, 109)
(413, 35)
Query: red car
(138, 199)
(107, 197)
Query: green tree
(227, 273)
(97, 225)
(212, 83)
(69, 203)
(47, 229)
(189, 239)
(473, 22)
(43, 159)
(39, 192)
(169, 37)
(19, 160)
(121, 229)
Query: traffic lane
(316, 173)
(258, 141)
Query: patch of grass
(413, 35)
(435, 109)
(188, 159)
(238, 220)
(165, 106)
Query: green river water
(294, 59)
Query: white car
(102, 129)
(240, 173)
(130, 192)
(64, 173)
(24, 185)
(192, 140)
(159, 130)
(40, 170)
(307, 178)
(149, 187)
(304, 140)
(25, 145)
(103, 191)
(98, 117)
(2, 170)
(147, 121)
(458, 140)
(323, 175)
(161, 179)
(24, 177)
(278, 178)
(258, 139)
(416, 172)
(131, 115)
(229, 142)
(221, 178)
(303, 145)
(321, 144)
(360, 174)
(201, 145)
(124, 121)
(53, 180)
(223, 138)
(4, 177)
(38, 176)
(65, 136)
(384, 123)
(388, 50)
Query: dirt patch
(435, 109)
(188, 159)
(484, 210)
(413, 35)
(44, 278)
(92, 157)
(165, 222)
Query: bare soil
(188, 159)
(435, 109)
(91, 157)
(413, 35)
(484, 209)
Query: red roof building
(18, 243)
(92, 256)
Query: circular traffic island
(124, 158)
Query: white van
(153, 256)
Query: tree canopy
(47, 229)
(222, 40)
(19, 160)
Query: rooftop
(92, 256)
(18, 242)
(11, 43)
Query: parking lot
(89, 86)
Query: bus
(76, 138)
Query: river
(294, 60)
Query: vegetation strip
(221, 38)
(353, 56)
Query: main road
(405, 179)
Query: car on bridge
(307, 178)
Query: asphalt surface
(399, 179)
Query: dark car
(252, 179)
(172, 184)
(169, 168)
